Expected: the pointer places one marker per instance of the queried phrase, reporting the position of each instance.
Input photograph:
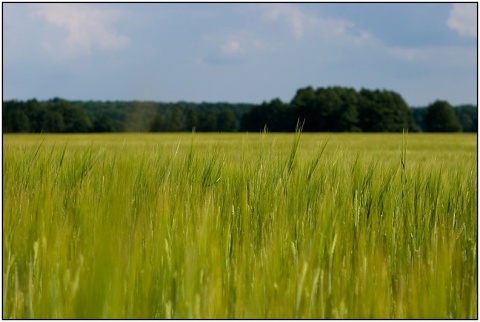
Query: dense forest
(332, 109)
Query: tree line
(332, 109)
(62, 116)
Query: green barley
(240, 226)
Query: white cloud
(87, 28)
(291, 15)
(406, 54)
(231, 47)
(257, 41)
(445, 55)
(302, 23)
(463, 19)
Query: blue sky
(238, 52)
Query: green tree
(54, 122)
(468, 117)
(191, 119)
(11, 110)
(384, 111)
(305, 105)
(177, 122)
(158, 124)
(48, 121)
(18, 121)
(346, 119)
(337, 109)
(280, 117)
(275, 115)
(254, 120)
(440, 117)
(103, 123)
(75, 119)
(332, 109)
(226, 121)
(36, 115)
(207, 121)
(419, 116)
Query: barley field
(240, 226)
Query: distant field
(240, 226)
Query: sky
(238, 52)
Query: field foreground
(240, 226)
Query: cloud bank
(85, 28)
(301, 23)
(463, 19)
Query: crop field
(240, 226)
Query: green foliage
(207, 121)
(332, 109)
(56, 115)
(75, 120)
(158, 124)
(240, 226)
(60, 116)
(276, 116)
(468, 117)
(226, 121)
(103, 123)
(177, 122)
(384, 111)
(440, 117)
(18, 121)
(191, 119)
(419, 115)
